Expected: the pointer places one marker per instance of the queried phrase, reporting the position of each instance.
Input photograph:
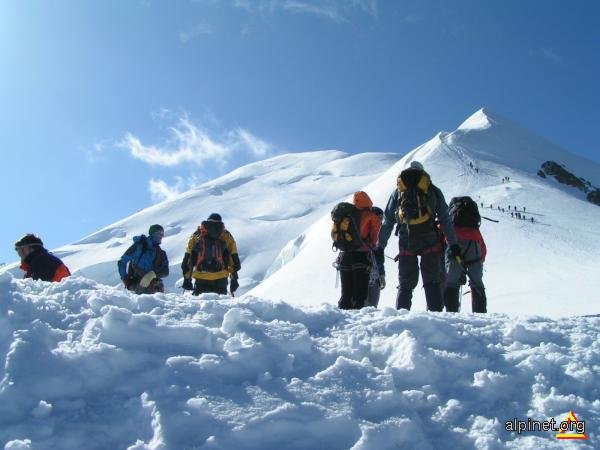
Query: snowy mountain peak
(279, 213)
(480, 120)
(495, 161)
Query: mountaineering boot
(479, 300)
(433, 297)
(451, 299)
(404, 299)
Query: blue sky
(110, 106)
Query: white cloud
(160, 190)
(328, 11)
(411, 18)
(243, 4)
(257, 147)
(95, 153)
(368, 6)
(335, 10)
(550, 55)
(200, 29)
(190, 144)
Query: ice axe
(465, 269)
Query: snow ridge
(91, 366)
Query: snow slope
(278, 211)
(547, 267)
(263, 204)
(88, 366)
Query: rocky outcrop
(562, 175)
(594, 197)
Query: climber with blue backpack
(144, 264)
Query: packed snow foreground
(89, 366)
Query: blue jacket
(143, 256)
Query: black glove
(185, 264)
(187, 284)
(455, 251)
(233, 284)
(237, 265)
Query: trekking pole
(491, 220)
(466, 272)
(463, 266)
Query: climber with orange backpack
(211, 257)
(354, 232)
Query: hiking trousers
(472, 260)
(408, 276)
(217, 286)
(354, 274)
(374, 286)
(374, 294)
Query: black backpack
(210, 252)
(463, 212)
(345, 230)
(413, 202)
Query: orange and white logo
(575, 428)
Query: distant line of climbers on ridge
(514, 213)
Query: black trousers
(217, 286)
(408, 275)
(354, 274)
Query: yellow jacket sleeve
(191, 243)
(232, 248)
